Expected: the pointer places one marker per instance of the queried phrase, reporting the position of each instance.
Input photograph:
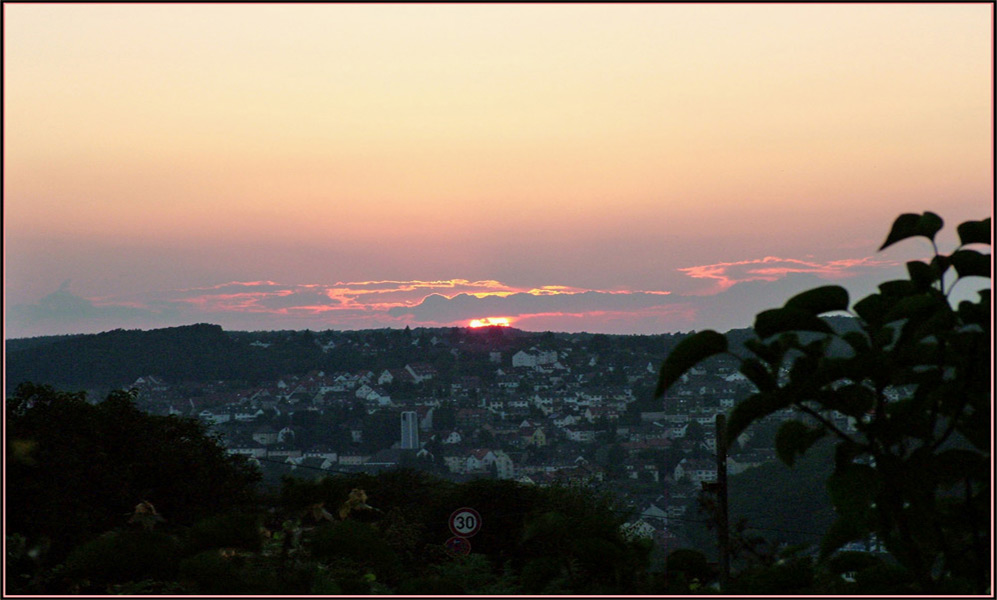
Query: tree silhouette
(908, 405)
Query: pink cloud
(727, 274)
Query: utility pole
(723, 537)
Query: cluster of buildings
(560, 413)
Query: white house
(456, 464)
(214, 417)
(479, 460)
(561, 421)
(637, 529)
(452, 437)
(534, 358)
(265, 435)
(421, 372)
(503, 465)
(696, 470)
(285, 435)
(251, 450)
(585, 436)
(524, 359)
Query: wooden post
(723, 536)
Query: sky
(611, 168)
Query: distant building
(533, 358)
(410, 430)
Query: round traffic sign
(458, 545)
(465, 522)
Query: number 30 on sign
(465, 522)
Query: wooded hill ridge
(206, 352)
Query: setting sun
(490, 322)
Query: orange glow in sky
(490, 322)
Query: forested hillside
(205, 352)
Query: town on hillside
(541, 409)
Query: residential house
(387, 458)
(504, 468)
(421, 372)
(465, 384)
(742, 461)
(352, 460)
(581, 435)
(639, 529)
(564, 420)
(508, 382)
(478, 460)
(251, 449)
(455, 463)
(471, 418)
(373, 395)
(214, 417)
(655, 516)
(321, 451)
(697, 470)
(533, 435)
(285, 436)
(452, 437)
(265, 435)
(282, 451)
(533, 358)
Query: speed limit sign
(465, 522)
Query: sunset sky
(616, 168)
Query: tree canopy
(75, 469)
(908, 406)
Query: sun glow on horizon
(490, 322)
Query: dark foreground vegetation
(106, 499)
(914, 468)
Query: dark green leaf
(970, 263)
(846, 452)
(853, 399)
(974, 232)
(794, 438)
(771, 353)
(872, 308)
(910, 224)
(754, 408)
(929, 224)
(921, 274)
(955, 465)
(920, 306)
(687, 354)
(883, 337)
(933, 322)
(975, 312)
(844, 562)
(897, 288)
(778, 320)
(940, 263)
(904, 226)
(925, 353)
(857, 340)
(842, 531)
(853, 488)
(977, 431)
(757, 374)
(820, 300)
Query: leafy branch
(899, 454)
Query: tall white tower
(410, 430)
